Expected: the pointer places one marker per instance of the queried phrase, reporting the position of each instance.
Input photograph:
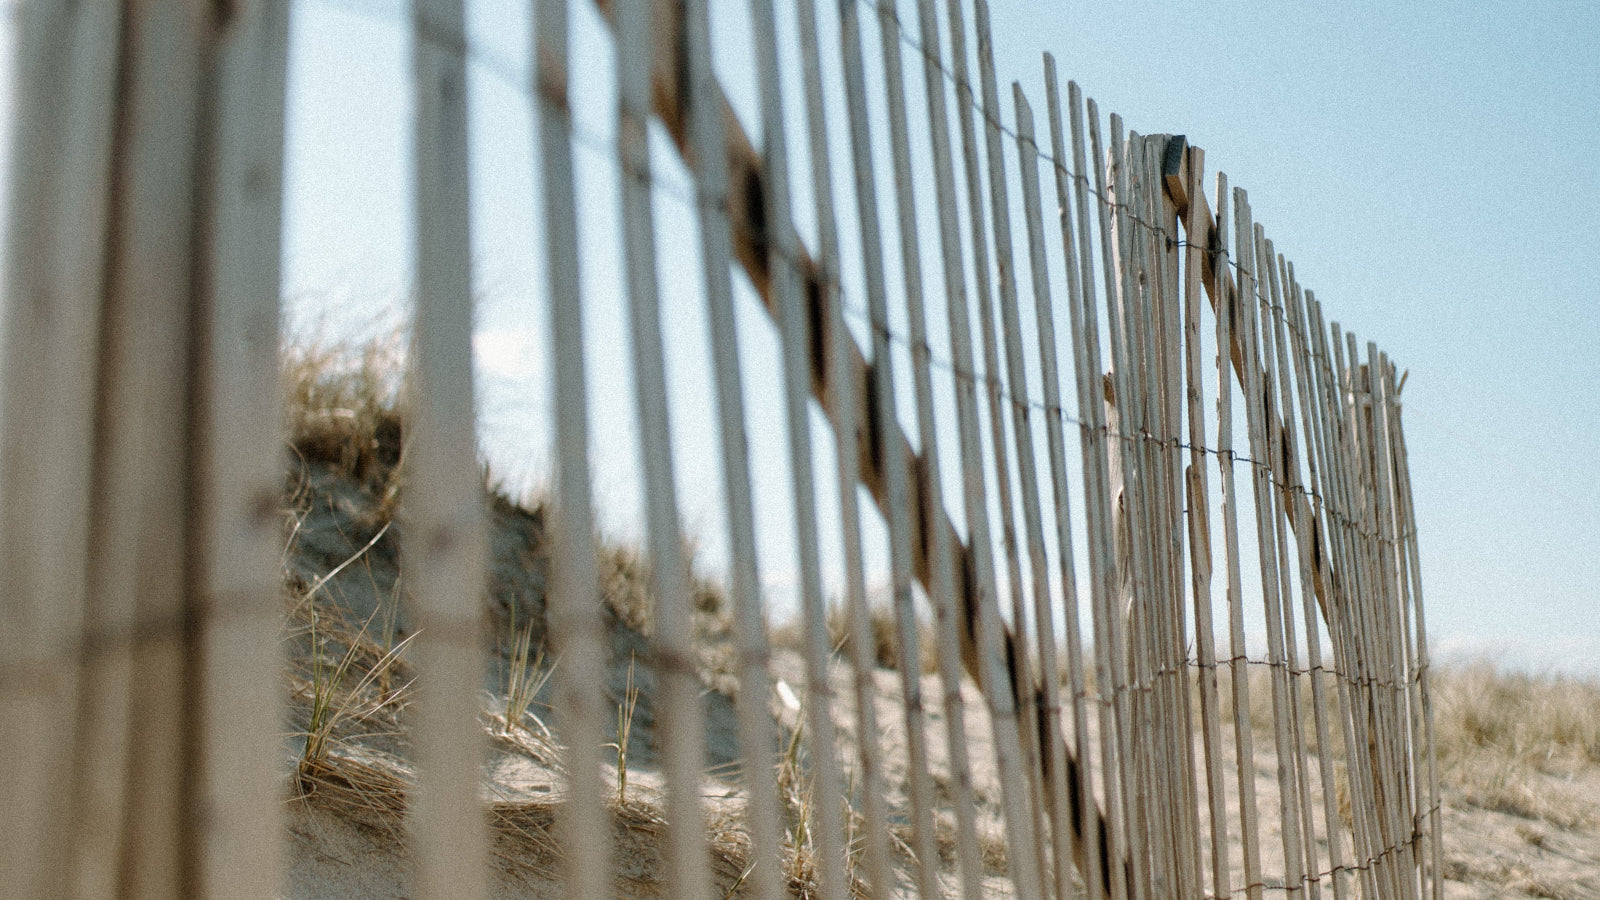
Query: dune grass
(349, 674)
(1508, 741)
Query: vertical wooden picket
(1234, 293)
(757, 735)
(241, 847)
(66, 93)
(444, 551)
(576, 619)
(682, 734)
(880, 879)
(920, 787)
(1093, 858)
(1066, 829)
(1199, 502)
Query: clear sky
(1429, 168)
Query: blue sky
(1429, 167)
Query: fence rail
(141, 698)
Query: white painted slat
(66, 102)
(576, 618)
(444, 548)
(242, 846)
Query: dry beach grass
(1518, 754)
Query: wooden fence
(141, 709)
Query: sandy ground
(1487, 853)
(345, 835)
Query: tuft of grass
(525, 678)
(343, 403)
(625, 710)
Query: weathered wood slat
(1244, 741)
(998, 652)
(146, 480)
(1199, 502)
(928, 480)
(681, 719)
(874, 837)
(758, 736)
(1067, 832)
(444, 554)
(66, 101)
(577, 628)
(242, 846)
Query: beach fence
(1237, 465)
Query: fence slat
(977, 216)
(995, 390)
(1103, 396)
(1363, 779)
(1424, 700)
(944, 550)
(1066, 823)
(444, 549)
(995, 646)
(1090, 839)
(1199, 500)
(682, 735)
(1310, 540)
(880, 878)
(1133, 582)
(66, 101)
(1232, 294)
(576, 620)
(146, 487)
(828, 836)
(1089, 379)
(242, 845)
(1398, 760)
(1283, 476)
